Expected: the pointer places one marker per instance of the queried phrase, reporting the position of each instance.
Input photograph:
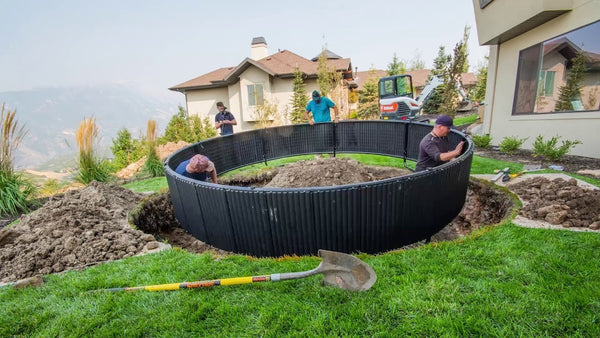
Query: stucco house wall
(274, 72)
(499, 121)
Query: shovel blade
(346, 271)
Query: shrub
(191, 129)
(550, 149)
(482, 141)
(510, 144)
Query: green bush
(550, 149)
(153, 166)
(15, 192)
(482, 141)
(510, 144)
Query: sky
(159, 44)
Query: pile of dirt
(559, 202)
(329, 172)
(80, 228)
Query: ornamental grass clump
(90, 167)
(15, 190)
(153, 165)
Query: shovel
(339, 270)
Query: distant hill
(51, 117)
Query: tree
(441, 61)
(465, 48)
(396, 67)
(453, 76)
(178, 127)
(571, 90)
(327, 78)
(416, 63)
(122, 148)
(268, 115)
(299, 98)
(368, 99)
(186, 128)
(478, 93)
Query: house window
(546, 83)
(255, 94)
(561, 74)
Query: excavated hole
(93, 224)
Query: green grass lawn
(501, 280)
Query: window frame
(252, 99)
(521, 97)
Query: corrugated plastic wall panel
(368, 217)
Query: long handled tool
(339, 270)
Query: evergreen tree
(441, 62)
(368, 98)
(178, 128)
(571, 90)
(478, 93)
(327, 78)
(396, 67)
(299, 98)
(122, 149)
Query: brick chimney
(258, 49)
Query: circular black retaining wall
(368, 217)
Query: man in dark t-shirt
(224, 120)
(434, 149)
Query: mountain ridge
(51, 115)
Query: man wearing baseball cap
(224, 120)
(434, 149)
(320, 108)
(198, 167)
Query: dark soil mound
(81, 228)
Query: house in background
(258, 79)
(532, 53)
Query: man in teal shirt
(320, 108)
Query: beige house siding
(502, 77)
